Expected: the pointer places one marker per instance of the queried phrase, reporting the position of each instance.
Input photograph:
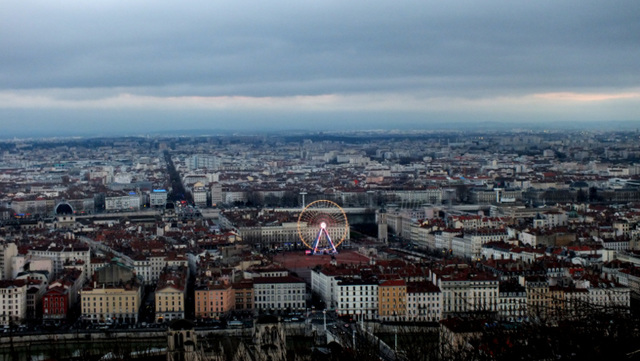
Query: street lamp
(395, 344)
(324, 314)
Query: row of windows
(100, 304)
(201, 295)
(365, 293)
(283, 298)
(173, 303)
(392, 306)
(173, 309)
(217, 309)
(221, 303)
(95, 311)
(56, 310)
(273, 292)
(358, 306)
(365, 299)
(281, 286)
(421, 298)
(360, 288)
(97, 298)
(281, 305)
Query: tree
(581, 196)
(593, 195)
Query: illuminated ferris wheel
(323, 226)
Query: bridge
(347, 210)
(358, 337)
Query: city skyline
(118, 68)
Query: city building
(424, 302)
(128, 202)
(512, 302)
(392, 300)
(113, 295)
(357, 297)
(7, 250)
(213, 300)
(63, 253)
(465, 289)
(13, 301)
(170, 294)
(158, 198)
(243, 295)
(55, 304)
(286, 293)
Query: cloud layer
(240, 60)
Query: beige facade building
(117, 304)
(170, 295)
(113, 296)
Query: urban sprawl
(444, 229)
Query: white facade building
(62, 254)
(158, 198)
(279, 293)
(357, 297)
(7, 250)
(200, 196)
(424, 302)
(512, 302)
(122, 203)
(324, 282)
(465, 290)
(13, 301)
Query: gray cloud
(465, 49)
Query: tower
(304, 203)
(383, 228)
(182, 342)
(269, 339)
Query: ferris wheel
(322, 226)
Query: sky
(106, 67)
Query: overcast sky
(96, 67)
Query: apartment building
(13, 301)
(7, 250)
(538, 296)
(129, 202)
(110, 302)
(357, 297)
(114, 295)
(324, 282)
(158, 198)
(62, 254)
(392, 300)
(512, 302)
(243, 295)
(61, 293)
(424, 302)
(213, 300)
(279, 293)
(55, 304)
(170, 295)
(465, 289)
